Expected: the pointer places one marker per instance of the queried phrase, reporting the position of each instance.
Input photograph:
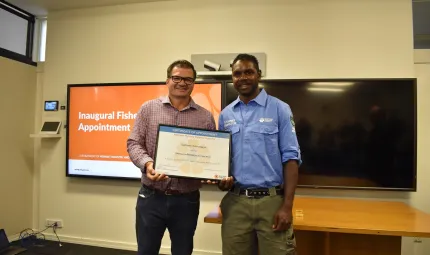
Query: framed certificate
(192, 153)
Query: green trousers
(247, 221)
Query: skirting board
(116, 245)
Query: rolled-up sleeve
(288, 143)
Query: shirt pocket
(264, 139)
(234, 129)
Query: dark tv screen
(357, 134)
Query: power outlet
(52, 222)
(418, 240)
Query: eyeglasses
(178, 79)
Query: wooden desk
(351, 226)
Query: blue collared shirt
(263, 138)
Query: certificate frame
(178, 159)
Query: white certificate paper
(192, 153)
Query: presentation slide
(101, 117)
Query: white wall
(302, 39)
(17, 89)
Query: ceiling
(421, 10)
(42, 7)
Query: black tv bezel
(70, 86)
(414, 84)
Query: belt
(258, 192)
(168, 191)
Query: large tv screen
(357, 134)
(101, 116)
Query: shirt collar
(166, 100)
(260, 99)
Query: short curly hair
(247, 57)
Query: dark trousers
(156, 212)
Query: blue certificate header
(195, 132)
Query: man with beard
(265, 161)
(167, 202)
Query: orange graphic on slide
(102, 117)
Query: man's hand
(209, 182)
(226, 183)
(152, 175)
(282, 219)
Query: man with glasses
(165, 202)
(265, 160)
